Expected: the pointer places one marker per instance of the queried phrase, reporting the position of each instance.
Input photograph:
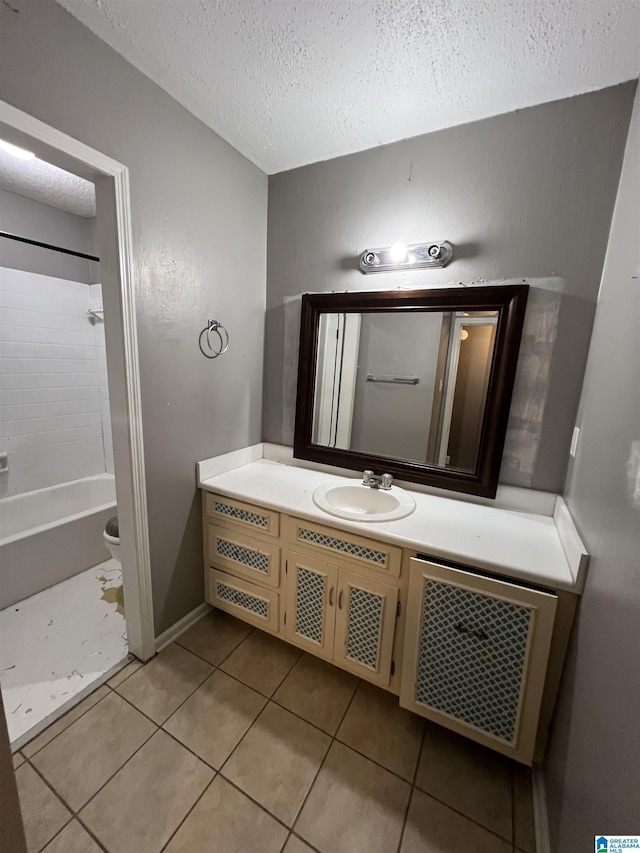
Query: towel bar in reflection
(396, 380)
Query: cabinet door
(475, 655)
(365, 626)
(311, 598)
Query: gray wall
(36, 221)
(592, 775)
(523, 195)
(199, 231)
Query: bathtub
(51, 534)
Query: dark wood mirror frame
(509, 300)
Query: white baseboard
(540, 815)
(182, 625)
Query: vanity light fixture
(436, 254)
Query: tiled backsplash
(54, 399)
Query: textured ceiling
(46, 183)
(290, 82)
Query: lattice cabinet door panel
(233, 551)
(365, 626)
(245, 600)
(347, 547)
(475, 655)
(311, 604)
(250, 517)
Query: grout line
(228, 655)
(38, 751)
(177, 829)
(413, 788)
(333, 740)
(75, 813)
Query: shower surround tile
(55, 645)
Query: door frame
(111, 180)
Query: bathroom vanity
(462, 610)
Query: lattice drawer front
(360, 552)
(244, 599)
(259, 519)
(248, 557)
(310, 604)
(471, 657)
(364, 627)
(253, 603)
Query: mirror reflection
(408, 385)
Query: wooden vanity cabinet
(480, 655)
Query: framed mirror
(412, 383)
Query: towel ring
(223, 337)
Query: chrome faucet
(374, 482)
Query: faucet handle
(387, 479)
(366, 477)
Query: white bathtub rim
(66, 519)
(63, 519)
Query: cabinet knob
(331, 597)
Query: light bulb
(20, 153)
(464, 335)
(398, 252)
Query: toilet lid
(111, 527)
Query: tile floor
(55, 644)
(234, 742)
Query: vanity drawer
(356, 550)
(257, 560)
(245, 600)
(250, 517)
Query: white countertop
(519, 545)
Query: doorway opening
(71, 614)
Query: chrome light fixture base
(435, 255)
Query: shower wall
(54, 413)
(54, 400)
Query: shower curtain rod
(48, 246)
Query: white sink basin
(362, 503)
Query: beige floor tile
(215, 636)
(523, 825)
(64, 722)
(317, 691)
(354, 806)
(162, 685)
(83, 757)
(73, 839)
(377, 726)
(226, 821)
(277, 761)
(18, 759)
(214, 719)
(142, 806)
(125, 672)
(261, 661)
(468, 777)
(295, 845)
(42, 812)
(434, 828)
